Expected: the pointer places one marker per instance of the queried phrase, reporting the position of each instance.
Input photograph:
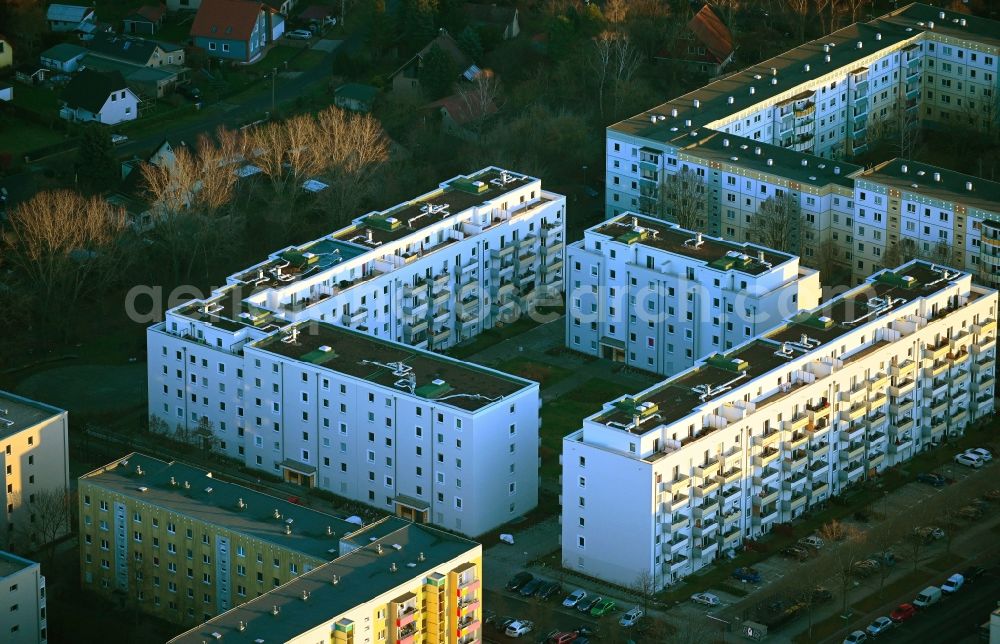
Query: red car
(564, 637)
(902, 613)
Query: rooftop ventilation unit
(696, 103)
(138, 470)
(396, 546)
(805, 162)
(393, 567)
(941, 15)
(968, 185)
(756, 76)
(878, 36)
(335, 580)
(292, 337)
(805, 67)
(903, 168)
(208, 490)
(826, 49)
(276, 514)
(770, 162)
(756, 150)
(421, 557)
(241, 504)
(288, 529)
(275, 610)
(774, 71)
(173, 482)
(752, 90)
(937, 176)
(378, 548)
(730, 100)
(860, 44)
(242, 626)
(774, 81)
(305, 595)
(697, 242)
(826, 58)
(187, 485)
(673, 112)
(687, 122)
(142, 488)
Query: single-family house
(6, 53)
(232, 29)
(147, 19)
(504, 20)
(284, 7)
(463, 114)
(69, 17)
(406, 79)
(6, 92)
(99, 96)
(355, 97)
(174, 6)
(137, 51)
(706, 44)
(30, 74)
(146, 82)
(64, 57)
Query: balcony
(416, 327)
(767, 439)
(903, 369)
(680, 542)
(706, 550)
(797, 423)
(855, 412)
(852, 471)
(987, 326)
(767, 477)
(901, 443)
(467, 607)
(796, 441)
(553, 250)
(984, 345)
(730, 475)
(936, 369)
(707, 470)
(708, 510)
(415, 290)
(441, 297)
(679, 485)
(503, 252)
(986, 363)
(794, 503)
(819, 489)
(679, 562)
(984, 382)
(730, 539)
(768, 455)
(878, 382)
(854, 432)
(468, 268)
(984, 403)
(704, 528)
(818, 470)
(796, 461)
(958, 358)
(852, 452)
(959, 419)
(821, 410)
(768, 514)
(505, 289)
(875, 459)
(527, 259)
(877, 401)
(877, 422)
(731, 517)
(766, 496)
(679, 522)
(902, 407)
(939, 406)
(937, 351)
(706, 487)
(819, 450)
(470, 287)
(936, 428)
(415, 307)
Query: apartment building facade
(408, 431)
(658, 297)
(181, 544)
(22, 601)
(664, 482)
(398, 582)
(786, 126)
(34, 453)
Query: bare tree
(843, 555)
(65, 244)
(482, 98)
(614, 60)
(51, 512)
(616, 11)
(682, 198)
(799, 10)
(644, 587)
(777, 223)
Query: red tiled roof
(462, 111)
(710, 30)
(226, 19)
(152, 13)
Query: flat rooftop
(810, 169)
(227, 310)
(947, 186)
(18, 413)
(361, 575)
(11, 564)
(955, 24)
(720, 254)
(679, 396)
(393, 365)
(196, 493)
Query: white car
(812, 542)
(630, 618)
(118, 139)
(981, 452)
(879, 626)
(708, 599)
(952, 584)
(518, 628)
(575, 598)
(969, 460)
(857, 637)
(299, 34)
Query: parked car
(795, 552)
(902, 613)
(299, 34)
(602, 608)
(708, 599)
(969, 512)
(969, 460)
(974, 573)
(820, 595)
(865, 567)
(575, 598)
(931, 478)
(547, 589)
(585, 605)
(812, 542)
(118, 139)
(857, 637)
(747, 575)
(879, 626)
(630, 618)
(519, 580)
(952, 584)
(519, 627)
(531, 587)
(981, 452)
(929, 533)
(992, 495)
(927, 597)
(561, 637)
(189, 91)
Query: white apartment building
(34, 452)
(22, 601)
(664, 481)
(785, 125)
(658, 297)
(431, 438)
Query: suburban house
(183, 5)
(6, 53)
(355, 97)
(137, 51)
(99, 96)
(132, 194)
(462, 113)
(69, 17)
(144, 20)
(232, 29)
(146, 82)
(406, 79)
(284, 7)
(489, 16)
(706, 45)
(64, 57)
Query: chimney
(903, 168)
(937, 176)
(673, 112)
(836, 169)
(774, 81)
(393, 568)
(378, 548)
(961, 21)
(968, 186)
(687, 122)
(138, 470)
(756, 150)
(805, 162)
(730, 100)
(760, 256)
(806, 67)
(725, 143)
(941, 15)
(652, 118)
(770, 162)
(288, 529)
(329, 531)
(187, 485)
(241, 504)
(697, 103)
(420, 557)
(173, 482)
(752, 90)
(860, 44)
(335, 580)
(930, 24)
(774, 71)
(826, 49)
(243, 625)
(305, 595)
(878, 36)
(826, 58)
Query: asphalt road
(953, 618)
(547, 615)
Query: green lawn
(18, 137)
(492, 336)
(36, 99)
(544, 374)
